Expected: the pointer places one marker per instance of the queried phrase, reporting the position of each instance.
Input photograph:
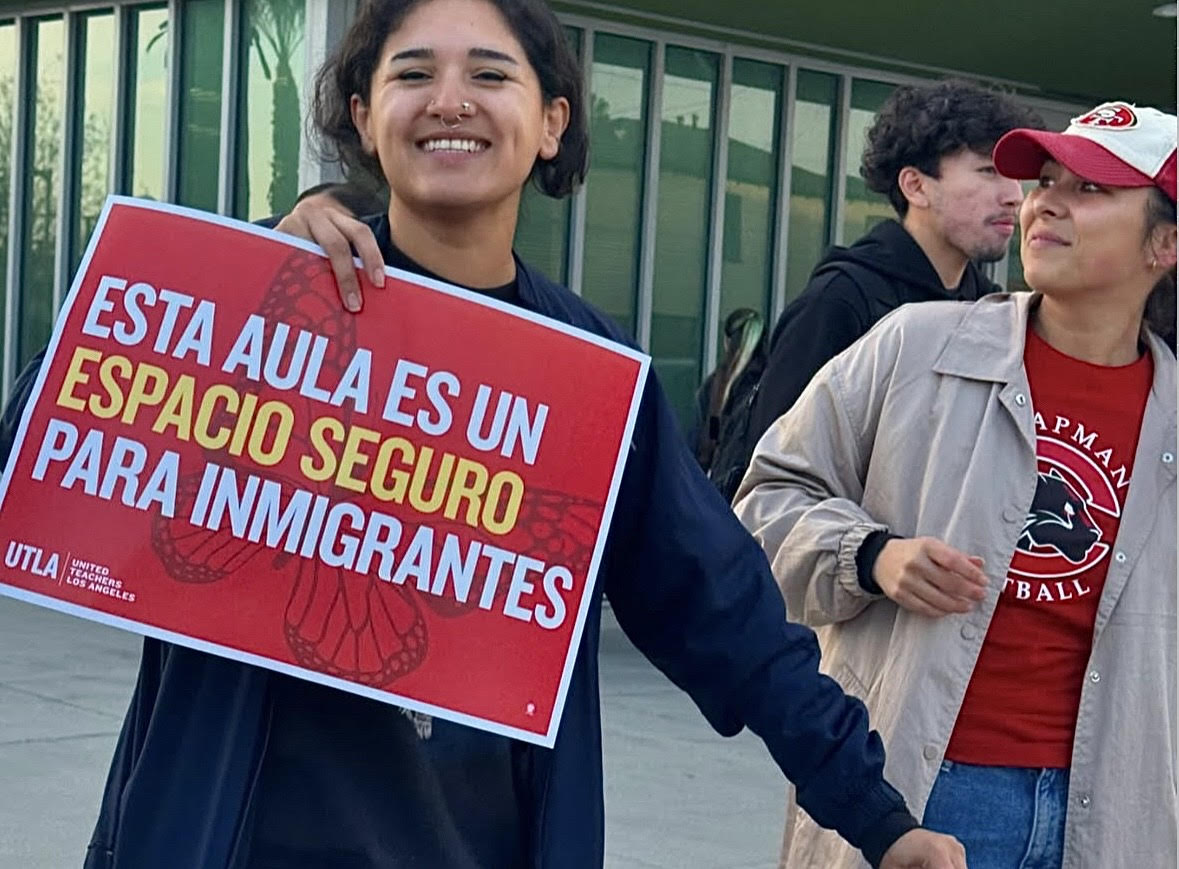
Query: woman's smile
(453, 145)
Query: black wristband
(866, 557)
(892, 827)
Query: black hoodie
(850, 289)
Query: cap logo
(1110, 116)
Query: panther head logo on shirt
(1059, 518)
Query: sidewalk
(677, 795)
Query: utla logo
(1116, 116)
(31, 559)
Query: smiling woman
(458, 104)
(455, 124)
(497, 77)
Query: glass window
(542, 233)
(43, 184)
(270, 128)
(614, 191)
(1015, 281)
(8, 61)
(96, 110)
(810, 175)
(863, 209)
(199, 143)
(148, 86)
(682, 242)
(750, 190)
(813, 155)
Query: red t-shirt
(1021, 705)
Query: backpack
(730, 457)
(735, 439)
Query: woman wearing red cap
(458, 104)
(976, 507)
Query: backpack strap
(880, 295)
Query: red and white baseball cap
(1115, 144)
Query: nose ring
(466, 110)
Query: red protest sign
(410, 504)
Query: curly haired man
(929, 152)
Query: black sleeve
(866, 557)
(15, 408)
(822, 323)
(695, 594)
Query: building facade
(720, 167)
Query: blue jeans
(1006, 817)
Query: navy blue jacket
(688, 585)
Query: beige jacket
(926, 427)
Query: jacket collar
(981, 347)
(988, 344)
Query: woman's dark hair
(350, 71)
(1160, 304)
(920, 124)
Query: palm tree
(276, 33)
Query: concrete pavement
(677, 795)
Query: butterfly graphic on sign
(338, 622)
